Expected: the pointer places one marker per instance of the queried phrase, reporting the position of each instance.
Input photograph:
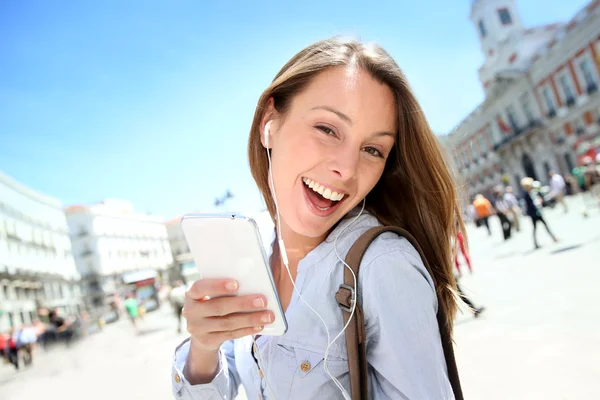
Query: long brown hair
(416, 190)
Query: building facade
(111, 240)
(37, 269)
(542, 104)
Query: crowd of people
(509, 208)
(18, 346)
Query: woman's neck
(298, 246)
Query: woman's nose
(345, 163)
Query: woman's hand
(214, 314)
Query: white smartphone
(229, 246)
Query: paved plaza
(539, 337)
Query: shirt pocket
(311, 364)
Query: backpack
(356, 334)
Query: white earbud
(266, 133)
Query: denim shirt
(404, 351)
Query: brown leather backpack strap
(355, 333)
(356, 338)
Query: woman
(343, 122)
(533, 211)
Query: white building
(109, 239)
(542, 100)
(36, 263)
(176, 239)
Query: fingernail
(258, 303)
(232, 286)
(266, 318)
(258, 328)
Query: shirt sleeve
(404, 347)
(224, 385)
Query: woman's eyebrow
(336, 112)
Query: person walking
(483, 209)
(502, 208)
(557, 187)
(461, 246)
(533, 211)
(514, 209)
(472, 307)
(132, 308)
(177, 299)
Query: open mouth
(323, 199)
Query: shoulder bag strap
(355, 333)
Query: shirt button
(177, 379)
(305, 366)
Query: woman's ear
(270, 114)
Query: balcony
(592, 87)
(518, 132)
(570, 101)
(13, 237)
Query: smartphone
(229, 246)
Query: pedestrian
(26, 341)
(476, 311)
(502, 208)
(592, 177)
(557, 189)
(4, 338)
(177, 298)
(533, 211)
(461, 246)
(514, 209)
(132, 308)
(338, 146)
(13, 347)
(483, 209)
(63, 327)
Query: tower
(495, 21)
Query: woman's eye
(374, 152)
(326, 130)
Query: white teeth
(323, 191)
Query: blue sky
(152, 101)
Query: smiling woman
(337, 128)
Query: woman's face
(331, 147)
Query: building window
(512, 118)
(586, 69)
(482, 144)
(566, 87)
(548, 99)
(505, 17)
(482, 30)
(527, 108)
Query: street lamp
(219, 201)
